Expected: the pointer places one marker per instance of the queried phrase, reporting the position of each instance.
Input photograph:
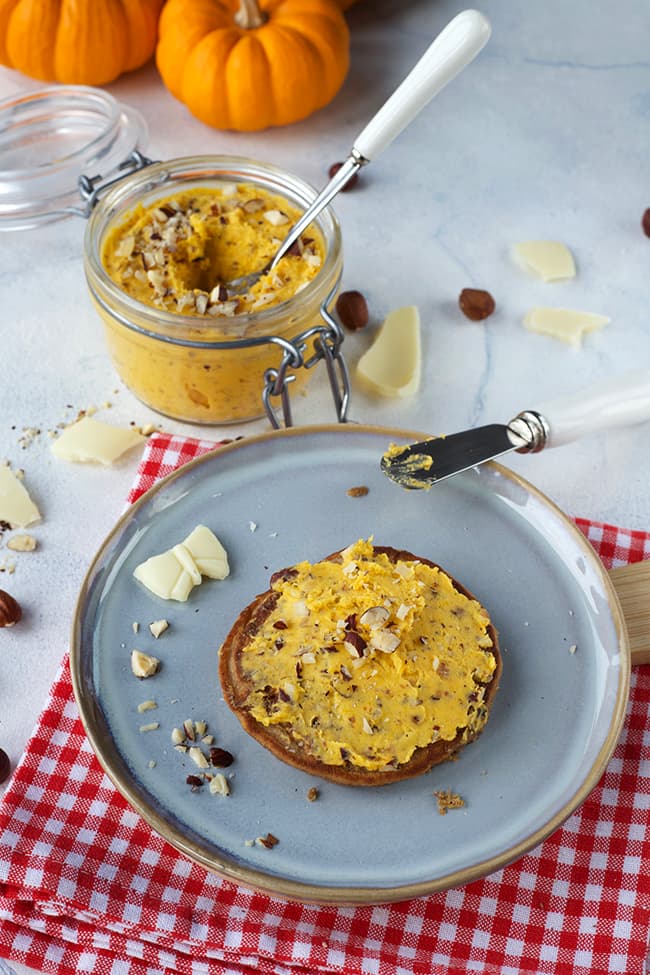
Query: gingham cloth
(86, 886)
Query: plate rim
(256, 879)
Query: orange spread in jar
(179, 253)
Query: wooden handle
(632, 585)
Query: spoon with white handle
(452, 50)
(611, 405)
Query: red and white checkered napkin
(85, 886)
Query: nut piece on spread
(352, 309)
(143, 664)
(476, 304)
(10, 611)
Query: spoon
(451, 51)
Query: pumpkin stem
(249, 15)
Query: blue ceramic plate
(282, 497)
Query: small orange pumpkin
(247, 65)
(87, 43)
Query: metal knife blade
(609, 405)
(420, 465)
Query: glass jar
(220, 370)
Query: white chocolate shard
(208, 553)
(392, 364)
(185, 560)
(16, 506)
(563, 323)
(550, 260)
(164, 576)
(89, 441)
(173, 574)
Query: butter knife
(610, 405)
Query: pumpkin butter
(179, 253)
(368, 659)
(179, 340)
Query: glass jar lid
(50, 138)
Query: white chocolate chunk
(16, 506)
(164, 576)
(173, 574)
(187, 563)
(547, 259)
(89, 441)
(563, 323)
(208, 553)
(392, 364)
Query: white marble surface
(545, 136)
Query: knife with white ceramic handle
(610, 405)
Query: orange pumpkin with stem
(251, 64)
(88, 43)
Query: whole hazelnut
(5, 766)
(476, 304)
(352, 309)
(351, 183)
(10, 611)
(645, 222)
